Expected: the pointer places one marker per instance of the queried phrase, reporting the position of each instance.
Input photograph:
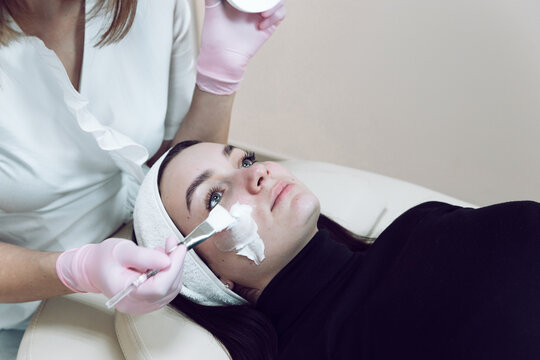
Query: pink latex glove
(229, 39)
(110, 266)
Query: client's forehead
(203, 154)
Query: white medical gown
(71, 162)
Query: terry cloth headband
(153, 226)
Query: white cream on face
(242, 235)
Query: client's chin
(306, 209)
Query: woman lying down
(441, 282)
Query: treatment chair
(79, 325)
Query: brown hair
(121, 14)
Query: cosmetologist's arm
(208, 118)
(28, 275)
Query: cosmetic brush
(218, 220)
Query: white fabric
(153, 226)
(71, 162)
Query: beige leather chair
(79, 326)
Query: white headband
(153, 226)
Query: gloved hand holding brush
(110, 266)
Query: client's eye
(248, 159)
(213, 198)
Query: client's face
(286, 212)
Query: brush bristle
(219, 218)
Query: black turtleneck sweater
(441, 282)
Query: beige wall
(444, 94)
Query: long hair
(120, 14)
(342, 235)
(244, 331)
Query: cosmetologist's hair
(120, 14)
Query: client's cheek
(242, 236)
(277, 169)
(241, 197)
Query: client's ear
(248, 293)
(228, 284)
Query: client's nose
(257, 176)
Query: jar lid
(253, 6)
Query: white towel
(153, 226)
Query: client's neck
(252, 294)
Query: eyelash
(210, 194)
(247, 156)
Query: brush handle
(128, 289)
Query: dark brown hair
(244, 331)
(120, 13)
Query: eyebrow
(227, 150)
(191, 189)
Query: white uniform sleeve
(182, 72)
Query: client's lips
(279, 191)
